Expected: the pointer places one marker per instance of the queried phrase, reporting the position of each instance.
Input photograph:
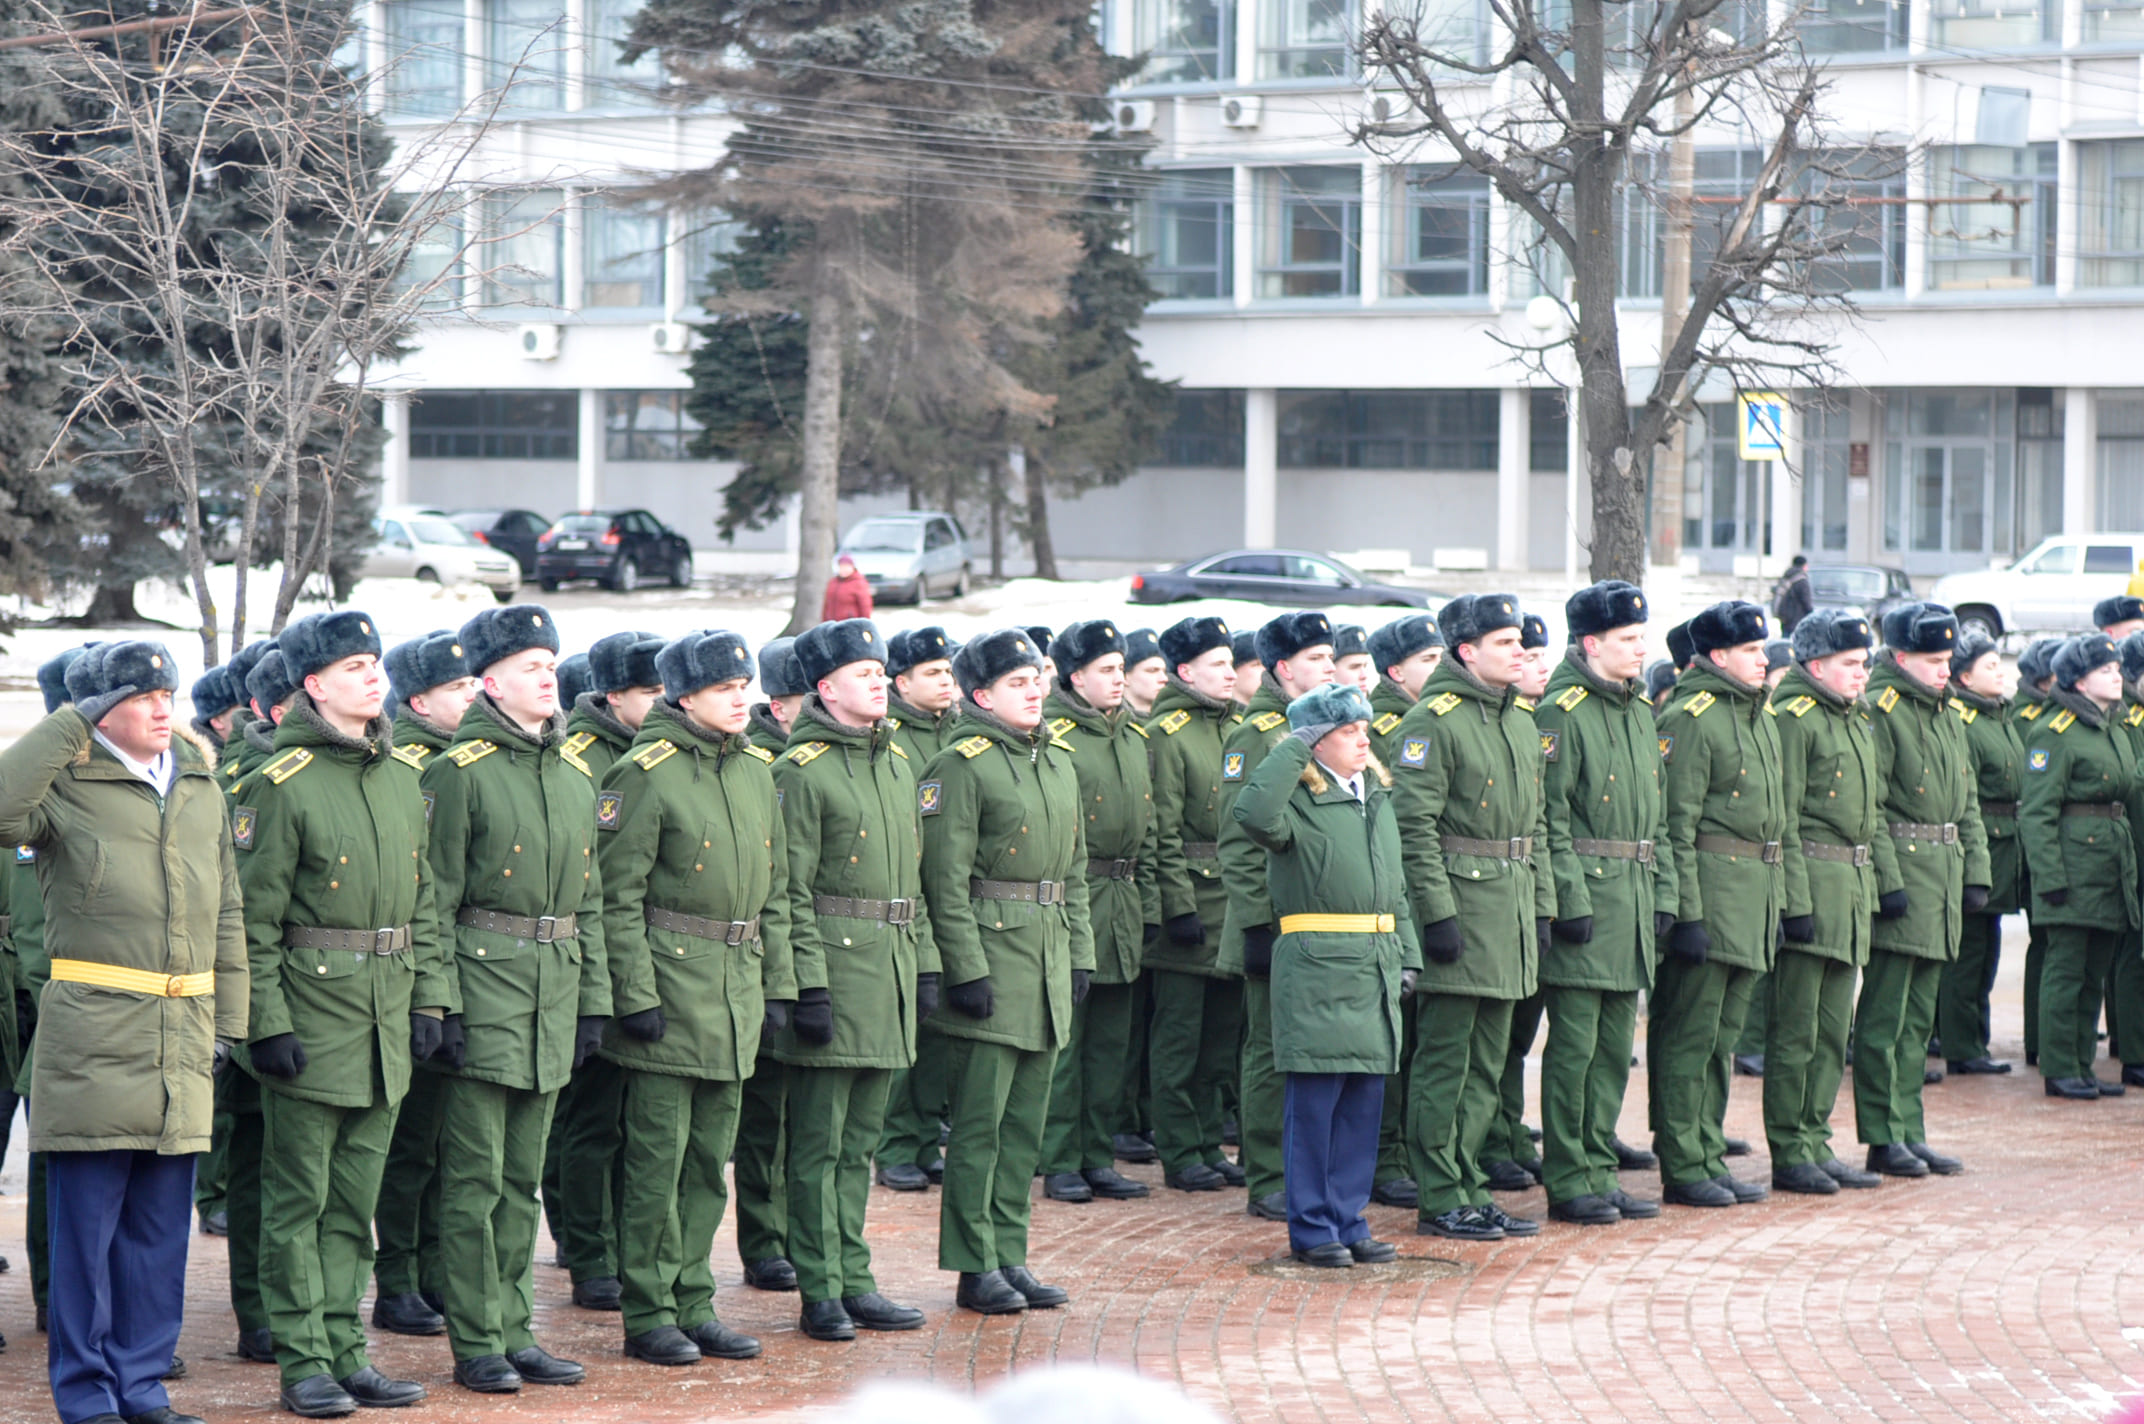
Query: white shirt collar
(157, 773)
(1352, 783)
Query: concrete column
(1513, 436)
(1243, 238)
(1786, 480)
(1261, 468)
(394, 455)
(588, 469)
(578, 44)
(475, 45)
(2080, 460)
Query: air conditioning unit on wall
(672, 338)
(1242, 111)
(538, 340)
(1133, 116)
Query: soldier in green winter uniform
(1197, 1006)
(866, 966)
(1614, 874)
(1748, 1059)
(1834, 836)
(1004, 855)
(348, 988)
(1935, 876)
(696, 933)
(430, 688)
(1295, 654)
(513, 861)
(1979, 695)
(1352, 663)
(1726, 821)
(2035, 686)
(779, 679)
(1086, 712)
(1508, 1157)
(923, 707)
(1321, 806)
(2125, 978)
(2080, 775)
(1146, 673)
(1474, 837)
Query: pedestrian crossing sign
(1760, 430)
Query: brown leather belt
(1640, 851)
(1034, 892)
(2099, 810)
(387, 941)
(1770, 852)
(544, 929)
(1838, 854)
(893, 912)
(1202, 850)
(1517, 848)
(1944, 834)
(703, 927)
(1100, 869)
(1998, 808)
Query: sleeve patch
(1571, 697)
(973, 747)
(608, 806)
(1414, 752)
(1383, 725)
(655, 754)
(25, 855)
(930, 797)
(2036, 759)
(1667, 748)
(1175, 722)
(470, 753)
(1699, 703)
(244, 821)
(429, 797)
(1267, 721)
(284, 767)
(1232, 767)
(1443, 704)
(1549, 742)
(1888, 700)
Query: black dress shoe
(1931, 1076)
(176, 1370)
(2107, 1089)
(874, 1312)
(903, 1177)
(1632, 1159)
(1229, 1172)
(988, 1293)
(2083, 1090)
(487, 1374)
(1587, 1210)
(40, 1320)
(1966, 1067)
(664, 1345)
(1371, 1252)
(318, 1397)
(1736, 1147)
(1273, 1206)
(1746, 1193)
(602, 1293)
(826, 1320)
(373, 1390)
(1850, 1177)
(1396, 1191)
(1131, 1147)
(1633, 1208)
(1108, 1182)
(1804, 1179)
(718, 1342)
(539, 1366)
(2132, 1074)
(1198, 1177)
(216, 1223)
(1510, 1225)
(1749, 1065)
(773, 1273)
(1705, 1193)
(162, 1414)
(259, 1345)
(407, 1314)
(1894, 1160)
(1039, 1296)
(934, 1170)
(1509, 1176)
(1461, 1223)
(436, 1301)
(1067, 1187)
(1939, 1164)
(1325, 1253)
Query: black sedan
(619, 548)
(1867, 589)
(1283, 576)
(510, 531)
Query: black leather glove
(1407, 981)
(1441, 942)
(974, 997)
(423, 1036)
(280, 1056)
(587, 1036)
(1689, 942)
(777, 1016)
(25, 1016)
(1313, 734)
(1187, 931)
(453, 1047)
(220, 1059)
(813, 1020)
(1541, 925)
(1890, 904)
(1663, 925)
(647, 1025)
(1976, 899)
(1577, 930)
(1151, 937)
(1258, 951)
(927, 993)
(1082, 983)
(1801, 929)
(2055, 897)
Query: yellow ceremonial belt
(1338, 924)
(134, 981)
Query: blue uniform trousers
(1329, 1144)
(120, 1223)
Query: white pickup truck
(2050, 590)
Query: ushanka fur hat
(1140, 644)
(2130, 649)
(1920, 628)
(421, 664)
(2076, 659)
(1729, 624)
(914, 647)
(1595, 609)
(779, 675)
(573, 679)
(1473, 616)
(1680, 647)
(1402, 638)
(2121, 608)
(1533, 631)
(821, 650)
(984, 660)
(1333, 704)
(1192, 639)
(244, 661)
(1831, 630)
(269, 684)
(617, 661)
(1244, 646)
(1973, 646)
(500, 633)
(1350, 640)
(213, 693)
(701, 659)
(107, 674)
(2037, 663)
(325, 639)
(1283, 637)
(52, 676)
(1081, 643)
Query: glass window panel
(1186, 230)
(528, 52)
(624, 253)
(495, 425)
(2113, 22)
(2110, 213)
(1968, 498)
(1992, 244)
(707, 237)
(523, 253)
(1306, 39)
(1853, 26)
(1928, 497)
(1994, 24)
(612, 83)
(1865, 187)
(1455, 29)
(1310, 232)
(424, 56)
(647, 425)
(2121, 484)
(1389, 430)
(1185, 41)
(1207, 430)
(435, 260)
(1548, 432)
(1441, 243)
(1894, 496)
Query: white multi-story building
(1331, 314)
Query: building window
(1827, 458)
(1309, 232)
(647, 425)
(1853, 26)
(1185, 41)
(1860, 204)
(1947, 464)
(1207, 431)
(435, 262)
(2113, 21)
(1441, 243)
(2110, 214)
(707, 238)
(524, 248)
(624, 253)
(1993, 24)
(424, 57)
(528, 52)
(612, 83)
(1388, 430)
(1306, 39)
(1720, 178)
(1986, 245)
(1548, 433)
(494, 425)
(1187, 232)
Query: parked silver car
(424, 544)
(906, 557)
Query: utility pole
(1669, 461)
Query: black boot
(318, 1397)
(1067, 1187)
(487, 1374)
(259, 1345)
(874, 1312)
(1112, 1185)
(772, 1274)
(664, 1345)
(988, 1293)
(718, 1342)
(1039, 1296)
(373, 1390)
(407, 1314)
(539, 1366)
(1894, 1160)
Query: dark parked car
(619, 548)
(1284, 576)
(1868, 589)
(511, 531)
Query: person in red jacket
(848, 593)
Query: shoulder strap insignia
(1383, 725)
(2032, 713)
(1771, 708)
(1235, 719)
(1571, 697)
(1970, 715)
(1140, 729)
(2136, 716)
(2063, 720)
(1061, 725)
(1887, 700)
(289, 764)
(894, 723)
(1699, 703)
(1267, 721)
(1175, 722)
(470, 753)
(1647, 700)
(412, 755)
(763, 755)
(572, 758)
(1526, 704)
(806, 754)
(579, 742)
(1061, 745)
(973, 747)
(1801, 706)
(655, 754)
(1441, 705)
(896, 747)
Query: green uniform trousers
(1452, 1100)
(1585, 1068)
(407, 1218)
(835, 1117)
(762, 1187)
(1263, 1096)
(1962, 995)
(213, 1173)
(1756, 1024)
(1137, 1113)
(2070, 981)
(1001, 1098)
(491, 1141)
(916, 1105)
(320, 1180)
(1509, 1141)
(2125, 1000)
(1088, 1096)
(1192, 1054)
(1805, 1054)
(678, 1136)
(1892, 1021)
(2035, 965)
(580, 1169)
(1392, 1163)
(241, 1196)
(1696, 1017)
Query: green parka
(26, 944)
(1336, 994)
(1243, 860)
(1833, 800)
(1004, 805)
(919, 733)
(595, 738)
(1721, 746)
(248, 748)
(1925, 770)
(2074, 761)
(766, 733)
(418, 738)
(1185, 734)
(1389, 706)
(1116, 794)
(1999, 771)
